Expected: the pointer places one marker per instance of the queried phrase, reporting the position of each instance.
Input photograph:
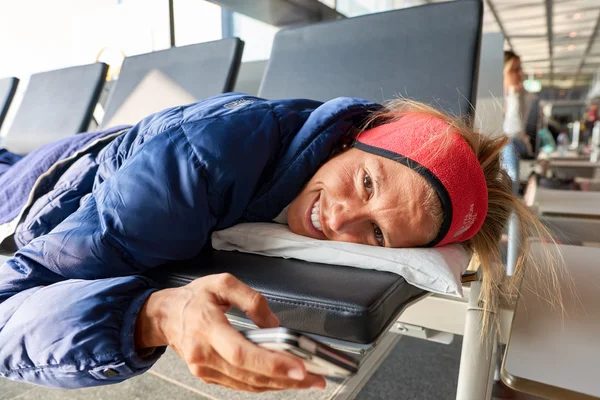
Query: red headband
(430, 147)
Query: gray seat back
(429, 53)
(250, 76)
(8, 88)
(56, 104)
(151, 82)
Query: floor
(407, 374)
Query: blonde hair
(486, 244)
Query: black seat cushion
(56, 104)
(344, 303)
(8, 88)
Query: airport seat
(56, 104)
(250, 77)
(151, 82)
(8, 88)
(353, 57)
(424, 53)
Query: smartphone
(318, 358)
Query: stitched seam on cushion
(370, 310)
(317, 306)
(37, 367)
(354, 310)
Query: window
(196, 21)
(257, 37)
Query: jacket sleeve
(70, 333)
(69, 299)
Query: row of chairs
(60, 103)
(360, 57)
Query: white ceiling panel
(592, 59)
(567, 62)
(516, 26)
(565, 70)
(575, 6)
(516, 14)
(571, 50)
(596, 46)
(508, 4)
(536, 64)
(590, 69)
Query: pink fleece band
(429, 146)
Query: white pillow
(436, 270)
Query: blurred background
(557, 40)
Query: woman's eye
(368, 183)
(378, 235)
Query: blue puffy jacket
(70, 296)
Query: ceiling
(558, 40)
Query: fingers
(234, 348)
(211, 376)
(232, 291)
(239, 379)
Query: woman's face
(513, 73)
(363, 198)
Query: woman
(76, 311)
(517, 106)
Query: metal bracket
(422, 333)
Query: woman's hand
(191, 319)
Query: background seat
(340, 302)
(427, 53)
(56, 104)
(250, 77)
(154, 81)
(8, 88)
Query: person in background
(516, 105)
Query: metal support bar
(226, 23)
(478, 356)
(171, 23)
(352, 386)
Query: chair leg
(478, 357)
(352, 386)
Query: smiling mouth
(315, 215)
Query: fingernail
(319, 385)
(296, 374)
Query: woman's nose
(343, 217)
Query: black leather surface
(8, 88)
(345, 303)
(203, 70)
(429, 53)
(56, 104)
